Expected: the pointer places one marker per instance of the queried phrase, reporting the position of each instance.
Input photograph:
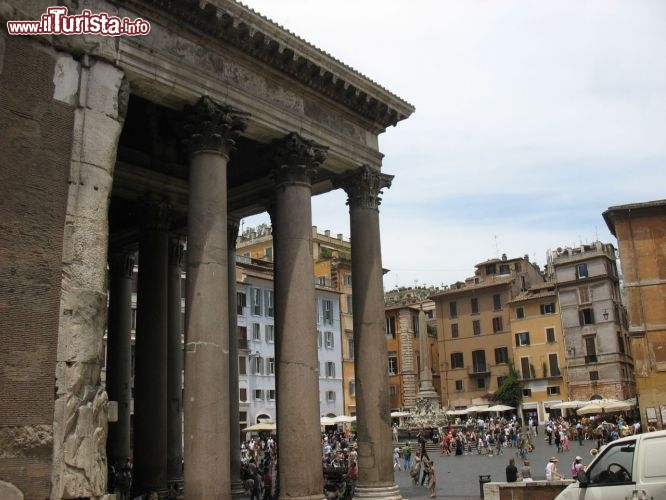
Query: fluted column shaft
(297, 375)
(150, 401)
(212, 130)
(376, 479)
(175, 365)
(119, 353)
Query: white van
(631, 468)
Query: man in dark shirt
(511, 471)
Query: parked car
(630, 468)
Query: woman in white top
(551, 470)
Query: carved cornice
(213, 127)
(364, 187)
(233, 225)
(295, 159)
(266, 41)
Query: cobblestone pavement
(458, 476)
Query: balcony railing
(243, 344)
(478, 370)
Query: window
(474, 302)
(348, 280)
(242, 367)
(133, 320)
(257, 365)
(454, 330)
(350, 347)
(329, 340)
(548, 308)
(352, 387)
(479, 361)
(415, 325)
(522, 339)
(520, 313)
(581, 271)
(242, 394)
(392, 363)
(554, 365)
(330, 396)
(459, 385)
(476, 327)
(256, 331)
(480, 383)
(270, 333)
(453, 309)
(256, 301)
(500, 380)
(527, 393)
(393, 390)
(504, 269)
(517, 267)
(270, 308)
(497, 302)
(330, 369)
(584, 295)
(586, 316)
(590, 349)
(327, 306)
(271, 394)
(497, 324)
(269, 254)
(457, 360)
(270, 366)
(550, 335)
(553, 390)
(491, 269)
(525, 367)
(594, 375)
(241, 302)
(616, 465)
(501, 355)
(259, 394)
(317, 318)
(620, 343)
(350, 304)
(390, 326)
(319, 341)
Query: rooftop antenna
(496, 247)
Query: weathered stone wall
(34, 165)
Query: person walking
(407, 456)
(426, 464)
(432, 480)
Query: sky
(532, 118)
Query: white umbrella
(603, 406)
(500, 408)
(400, 414)
(262, 426)
(456, 412)
(569, 404)
(344, 419)
(477, 409)
(327, 421)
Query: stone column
(212, 129)
(426, 389)
(175, 365)
(150, 380)
(297, 366)
(119, 353)
(376, 478)
(234, 402)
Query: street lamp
(605, 314)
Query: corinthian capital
(296, 159)
(212, 127)
(363, 187)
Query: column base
(388, 491)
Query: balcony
(243, 344)
(480, 370)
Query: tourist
(526, 471)
(551, 470)
(396, 458)
(415, 470)
(576, 467)
(511, 471)
(432, 480)
(407, 456)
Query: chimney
(327, 233)
(340, 236)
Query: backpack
(574, 469)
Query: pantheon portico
(152, 149)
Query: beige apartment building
(538, 349)
(594, 322)
(474, 324)
(640, 229)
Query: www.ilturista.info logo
(55, 21)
